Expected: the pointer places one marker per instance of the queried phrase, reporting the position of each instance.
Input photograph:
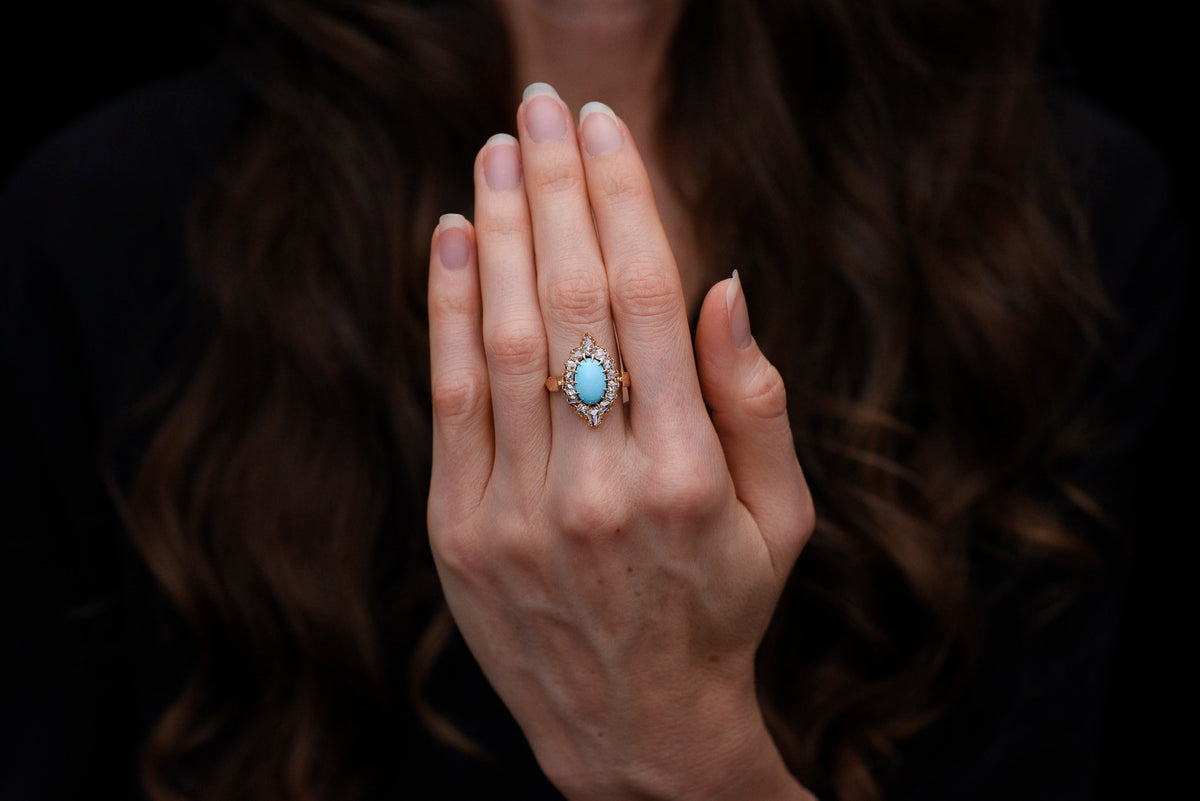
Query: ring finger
(572, 283)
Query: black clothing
(95, 314)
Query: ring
(590, 381)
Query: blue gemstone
(590, 381)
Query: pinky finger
(463, 442)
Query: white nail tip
(594, 106)
(538, 88)
(451, 220)
(731, 291)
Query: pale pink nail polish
(454, 248)
(599, 130)
(502, 163)
(545, 116)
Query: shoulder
(1126, 191)
(1102, 150)
(134, 161)
(93, 259)
(1139, 386)
(91, 266)
(1146, 392)
(1141, 244)
(1144, 260)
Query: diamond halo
(592, 414)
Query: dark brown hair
(882, 173)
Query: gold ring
(590, 380)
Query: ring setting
(590, 381)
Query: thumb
(746, 395)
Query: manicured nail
(454, 249)
(739, 316)
(545, 116)
(502, 162)
(538, 88)
(599, 130)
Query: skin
(614, 51)
(613, 583)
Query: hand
(613, 582)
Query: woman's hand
(613, 582)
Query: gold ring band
(555, 383)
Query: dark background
(1137, 60)
(1134, 60)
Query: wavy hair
(883, 173)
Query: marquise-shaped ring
(590, 380)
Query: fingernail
(545, 117)
(599, 130)
(538, 88)
(739, 316)
(454, 249)
(502, 163)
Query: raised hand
(614, 582)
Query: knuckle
(765, 394)
(556, 177)
(460, 552)
(589, 517)
(500, 226)
(460, 395)
(624, 187)
(514, 345)
(520, 553)
(645, 290)
(479, 553)
(578, 294)
(451, 305)
(683, 492)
